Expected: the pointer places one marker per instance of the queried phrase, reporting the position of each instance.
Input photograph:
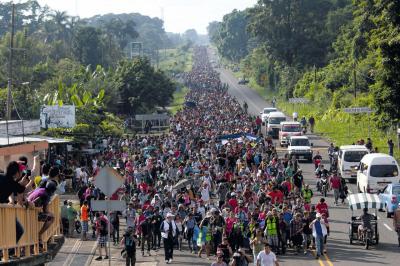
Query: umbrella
(364, 200)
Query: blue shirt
(318, 228)
(287, 216)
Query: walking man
(168, 233)
(319, 232)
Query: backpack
(103, 227)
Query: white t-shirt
(266, 259)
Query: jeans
(156, 239)
(130, 259)
(18, 229)
(319, 240)
(336, 194)
(115, 233)
(146, 238)
(168, 248)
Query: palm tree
(60, 20)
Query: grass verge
(179, 99)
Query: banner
(57, 116)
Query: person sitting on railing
(41, 197)
(13, 182)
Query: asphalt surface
(339, 250)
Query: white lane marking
(92, 253)
(388, 227)
(73, 252)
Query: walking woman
(258, 243)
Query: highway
(340, 252)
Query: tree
(191, 35)
(230, 35)
(292, 31)
(140, 87)
(87, 46)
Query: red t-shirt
(322, 208)
(276, 196)
(233, 203)
(335, 182)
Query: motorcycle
(367, 237)
(304, 129)
(323, 185)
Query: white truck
(289, 129)
(300, 146)
(274, 123)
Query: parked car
(243, 81)
(390, 196)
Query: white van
(266, 111)
(375, 171)
(274, 123)
(349, 158)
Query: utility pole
(10, 64)
(355, 80)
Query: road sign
(358, 110)
(105, 205)
(108, 181)
(299, 100)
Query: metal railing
(29, 243)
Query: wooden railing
(28, 218)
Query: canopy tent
(238, 136)
(364, 200)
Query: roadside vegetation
(64, 60)
(335, 53)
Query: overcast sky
(179, 15)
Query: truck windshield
(291, 128)
(384, 170)
(354, 156)
(276, 120)
(300, 142)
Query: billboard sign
(57, 116)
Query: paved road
(340, 252)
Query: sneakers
(167, 261)
(305, 252)
(148, 253)
(170, 261)
(106, 257)
(317, 257)
(98, 258)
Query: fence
(28, 218)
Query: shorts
(44, 217)
(102, 241)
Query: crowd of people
(208, 187)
